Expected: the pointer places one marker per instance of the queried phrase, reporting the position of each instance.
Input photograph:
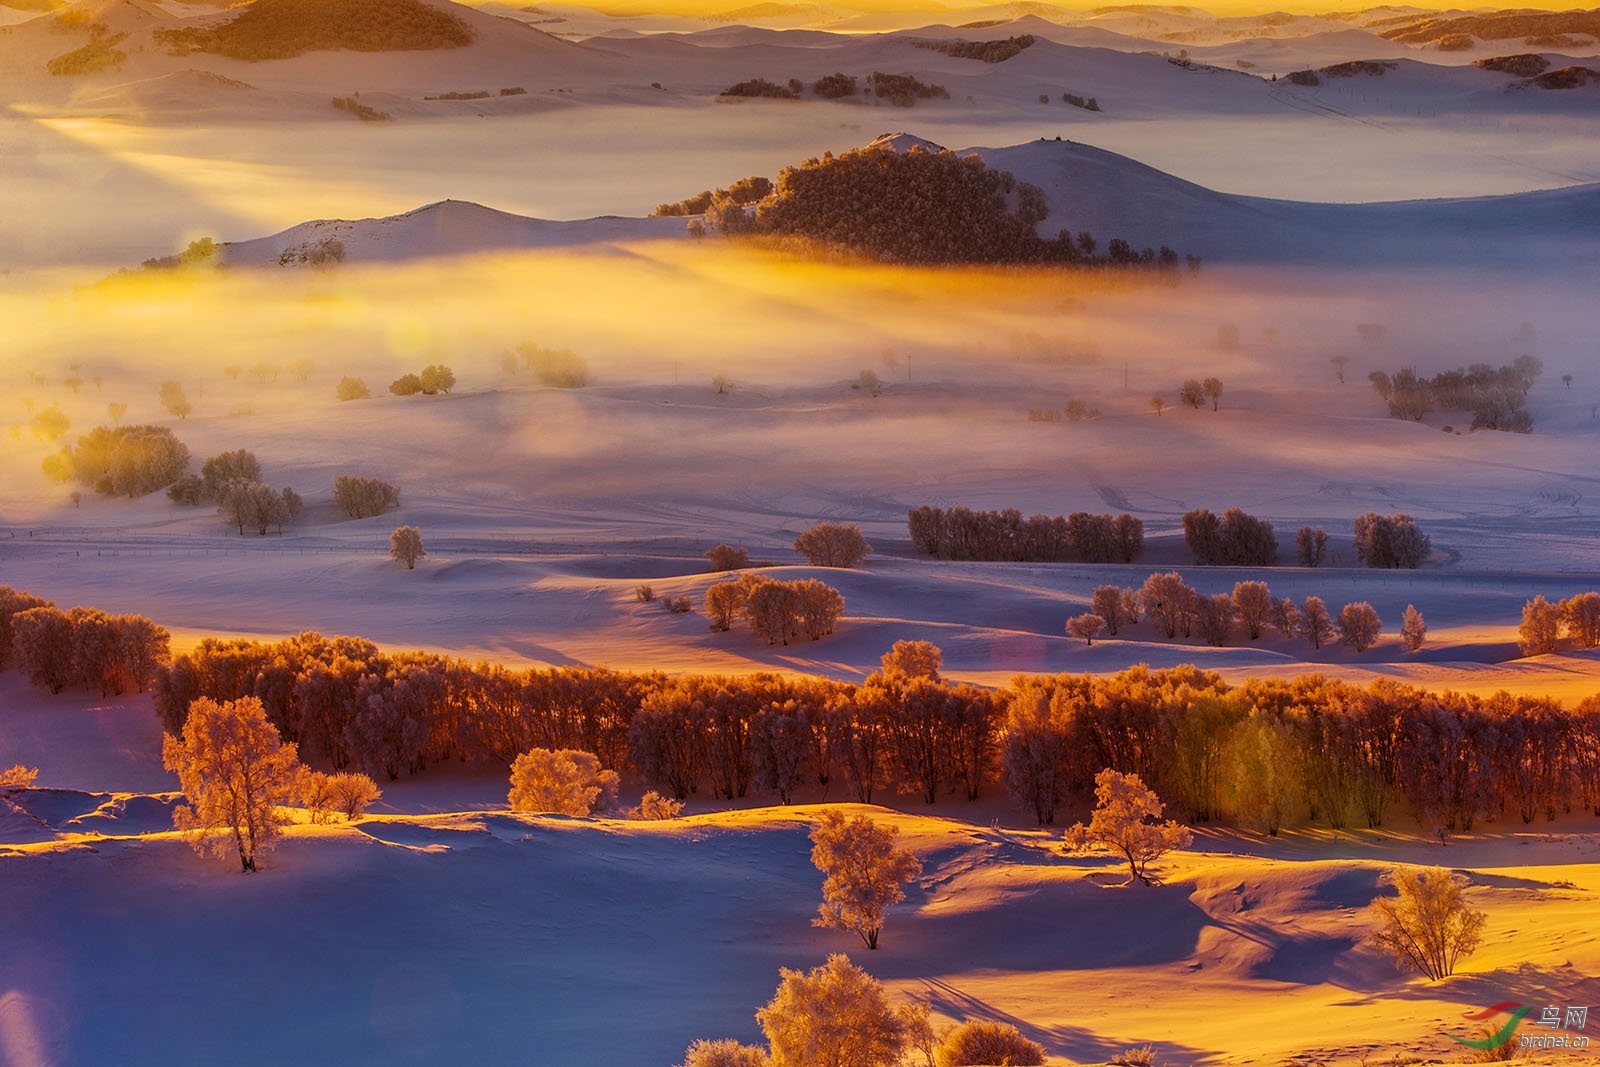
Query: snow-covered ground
(443, 928)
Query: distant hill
(1540, 28)
(283, 29)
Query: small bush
(18, 777)
(985, 1044)
(645, 592)
(406, 385)
(1426, 926)
(654, 807)
(563, 782)
(758, 87)
(728, 558)
(678, 605)
(833, 544)
(351, 389)
(361, 498)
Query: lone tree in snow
(1157, 405)
(833, 544)
(1359, 626)
(1124, 821)
(234, 772)
(1192, 393)
(564, 782)
(865, 872)
(1412, 628)
(1213, 388)
(1085, 627)
(405, 546)
(1426, 926)
(835, 1014)
(982, 1044)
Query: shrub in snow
(833, 544)
(1413, 629)
(18, 777)
(986, 1044)
(725, 1053)
(1124, 822)
(361, 498)
(865, 872)
(834, 1014)
(234, 772)
(655, 807)
(351, 389)
(1426, 926)
(728, 558)
(564, 782)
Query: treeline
(1494, 395)
(960, 533)
(1175, 609)
(1267, 753)
(985, 51)
(84, 647)
(283, 29)
(1274, 751)
(1237, 539)
(920, 207)
(902, 90)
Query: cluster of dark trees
(1494, 395)
(776, 610)
(960, 533)
(364, 112)
(434, 378)
(759, 87)
(1174, 609)
(1390, 540)
(101, 53)
(283, 29)
(985, 51)
(1273, 751)
(904, 90)
(83, 647)
(742, 192)
(361, 498)
(232, 481)
(1268, 753)
(1237, 539)
(919, 207)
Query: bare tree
(833, 544)
(724, 602)
(563, 781)
(1427, 926)
(1358, 626)
(174, 401)
(1124, 821)
(405, 546)
(1191, 392)
(362, 498)
(1214, 618)
(1412, 628)
(1213, 388)
(1107, 603)
(234, 772)
(1339, 362)
(865, 872)
(1157, 405)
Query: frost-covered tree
(1252, 601)
(436, 378)
(780, 736)
(406, 385)
(1540, 631)
(725, 1053)
(818, 607)
(724, 602)
(1427, 926)
(1124, 821)
(1036, 749)
(18, 777)
(256, 506)
(1213, 388)
(1389, 540)
(405, 546)
(239, 465)
(1214, 618)
(1581, 614)
(653, 807)
(1358, 625)
(912, 659)
(174, 401)
(833, 544)
(1314, 623)
(1285, 616)
(835, 1015)
(564, 781)
(865, 872)
(728, 558)
(980, 1043)
(1412, 628)
(351, 389)
(234, 772)
(1192, 393)
(362, 498)
(1107, 603)
(42, 647)
(1167, 602)
(352, 794)
(1310, 546)
(1202, 532)
(1085, 627)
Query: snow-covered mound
(448, 228)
